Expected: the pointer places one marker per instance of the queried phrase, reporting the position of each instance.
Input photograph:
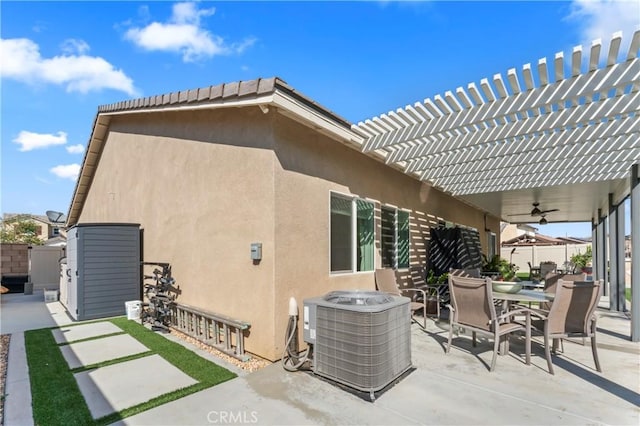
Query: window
(352, 234)
(55, 231)
(491, 245)
(395, 238)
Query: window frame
(492, 244)
(353, 199)
(396, 237)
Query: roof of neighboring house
(261, 92)
(56, 241)
(38, 217)
(542, 240)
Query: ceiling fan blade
(520, 214)
(549, 211)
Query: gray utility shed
(104, 269)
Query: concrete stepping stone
(99, 350)
(116, 387)
(85, 331)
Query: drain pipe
(291, 359)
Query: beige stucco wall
(201, 186)
(205, 185)
(310, 166)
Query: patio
(443, 389)
(438, 391)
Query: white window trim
(396, 235)
(354, 232)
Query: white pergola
(564, 134)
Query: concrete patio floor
(443, 389)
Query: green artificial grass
(627, 294)
(187, 361)
(57, 400)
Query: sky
(61, 60)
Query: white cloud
(78, 72)
(29, 141)
(184, 34)
(74, 46)
(599, 19)
(67, 171)
(75, 149)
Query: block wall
(15, 259)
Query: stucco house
(208, 172)
(45, 229)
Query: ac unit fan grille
(365, 350)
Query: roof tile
(216, 91)
(266, 85)
(248, 87)
(203, 93)
(230, 89)
(193, 95)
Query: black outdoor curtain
(457, 248)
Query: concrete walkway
(19, 313)
(444, 389)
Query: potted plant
(500, 267)
(582, 261)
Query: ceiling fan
(536, 211)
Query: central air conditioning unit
(361, 339)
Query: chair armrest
(417, 290)
(539, 313)
(432, 290)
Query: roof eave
(282, 99)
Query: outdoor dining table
(532, 284)
(522, 296)
(527, 296)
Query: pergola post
(616, 256)
(635, 253)
(600, 253)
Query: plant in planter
(582, 261)
(434, 280)
(504, 270)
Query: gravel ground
(4, 358)
(255, 363)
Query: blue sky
(61, 60)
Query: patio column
(616, 255)
(600, 253)
(635, 253)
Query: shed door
(72, 264)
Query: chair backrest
(472, 302)
(551, 280)
(573, 307)
(386, 281)
(418, 276)
(469, 272)
(546, 267)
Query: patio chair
(534, 272)
(551, 280)
(546, 267)
(572, 314)
(386, 282)
(433, 292)
(469, 272)
(472, 308)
